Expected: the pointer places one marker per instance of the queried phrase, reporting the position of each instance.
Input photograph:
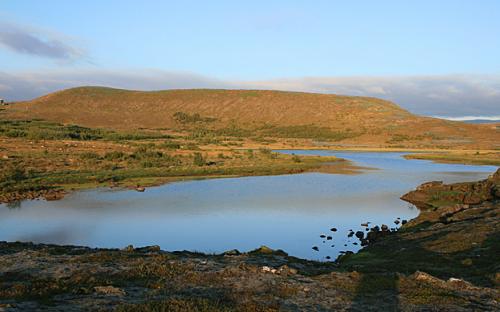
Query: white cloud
(451, 95)
(467, 118)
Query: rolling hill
(271, 113)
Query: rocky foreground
(444, 260)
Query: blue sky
(273, 44)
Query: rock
(329, 238)
(360, 234)
(140, 189)
(154, 248)
(109, 291)
(267, 269)
(351, 234)
(232, 252)
(472, 199)
(467, 262)
(365, 224)
(264, 249)
(460, 283)
(328, 257)
(449, 210)
(268, 251)
(422, 276)
(333, 229)
(285, 269)
(396, 222)
(496, 191)
(322, 236)
(384, 228)
(293, 271)
(315, 248)
(429, 185)
(403, 222)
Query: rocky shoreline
(47, 194)
(443, 260)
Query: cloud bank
(451, 95)
(26, 40)
(469, 118)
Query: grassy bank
(456, 235)
(37, 156)
(469, 158)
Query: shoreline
(318, 164)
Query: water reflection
(14, 205)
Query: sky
(431, 57)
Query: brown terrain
(360, 121)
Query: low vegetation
(309, 132)
(39, 157)
(491, 158)
(185, 118)
(43, 130)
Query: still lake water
(286, 212)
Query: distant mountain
(482, 121)
(348, 119)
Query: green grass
(492, 159)
(308, 132)
(43, 130)
(194, 118)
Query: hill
(356, 120)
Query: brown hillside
(369, 120)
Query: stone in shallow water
(232, 252)
(360, 234)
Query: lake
(287, 212)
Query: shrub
(233, 131)
(89, 155)
(296, 159)
(267, 152)
(198, 159)
(187, 118)
(191, 146)
(115, 155)
(170, 145)
(309, 132)
(13, 174)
